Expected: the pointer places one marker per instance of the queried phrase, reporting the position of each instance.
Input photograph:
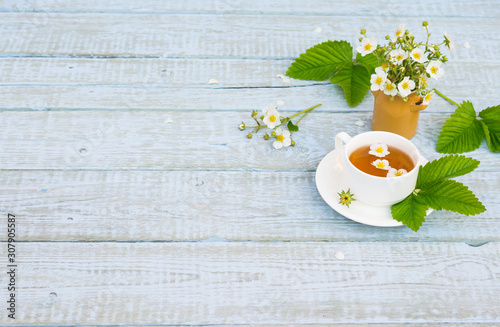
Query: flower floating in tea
(381, 164)
(379, 150)
(346, 197)
(396, 172)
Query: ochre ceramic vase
(396, 116)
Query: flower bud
(407, 32)
(262, 117)
(273, 134)
(425, 24)
(401, 69)
(293, 143)
(387, 37)
(242, 126)
(254, 113)
(249, 135)
(360, 39)
(363, 32)
(266, 137)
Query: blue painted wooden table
(137, 201)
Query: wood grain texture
(192, 140)
(460, 8)
(166, 83)
(225, 36)
(212, 206)
(258, 283)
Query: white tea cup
(375, 190)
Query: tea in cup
(380, 168)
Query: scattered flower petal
(213, 81)
(280, 102)
(379, 150)
(466, 45)
(381, 164)
(284, 79)
(169, 120)
(282, 138)
(318, 29)
(396, 172)
(359, 123)
(339, 255)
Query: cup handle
(340, 139)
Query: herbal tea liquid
(397, 159)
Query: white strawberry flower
(381, 164)
(397, 56)
(379, 150)
(396, 172)
(271, 116)
(406, 86)
(282, 138)
(368, 45)
(428, 97)
(418, 55)
(423, 80)
(399, 32)
(434, 69)
(390, 88)
(448, 42)
(378, 79)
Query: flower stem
(305, 111)
(445, 97)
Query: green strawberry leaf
(462, 132)
(444, 168)
(370, 62)
(354, 80)
(410, 212)
(292, 127)
(321, 61)
(452, 196)
(491, 126)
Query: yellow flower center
(379, 80)
(280, 138)
(398, 32)
(385, 65)
(399, 57)
(345, 198)
(434, 69)
(416, 55)
(272, 118)
(380, 165)
(389, 87)
(379, 150)
(405, 85)
(398, 173)
(428, 97)
(368, 46)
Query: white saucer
(329, 182)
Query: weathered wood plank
(470, 80)
(183, 140)
(258, 283)
(460, 8)
(212, 205)
(211, 97)
(240, 36)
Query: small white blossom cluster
(405, 65)
(380, 150)
(271, 119)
